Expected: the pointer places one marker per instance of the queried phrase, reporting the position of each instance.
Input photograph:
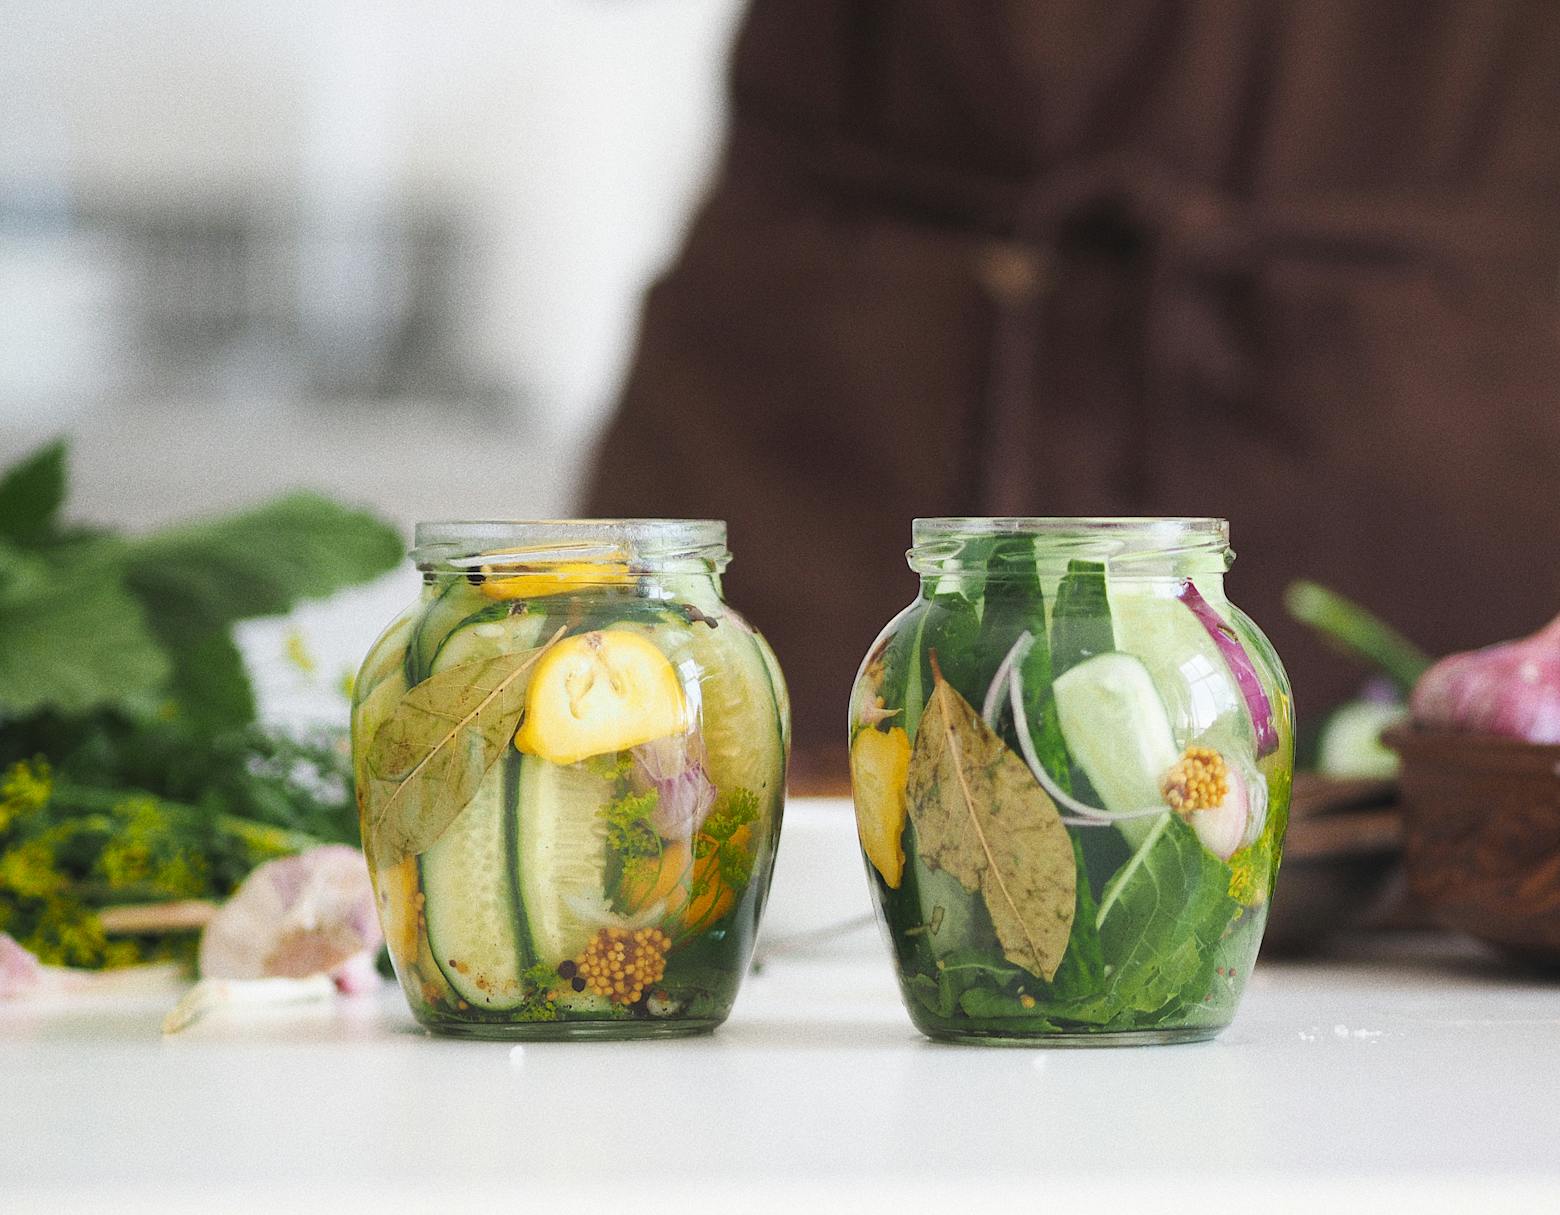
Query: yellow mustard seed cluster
(1199, 780)
(620, 963)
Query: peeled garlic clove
(298, 916)
(1222, 828)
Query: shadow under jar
(570, 757)
(1071, 759)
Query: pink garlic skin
(1511, 689)
(20, 972)
(674, 767)
(294, 917)
(357, 975)
(22, 976)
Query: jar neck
(590, 551)
(958, 553)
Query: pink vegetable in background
(302, 915)
(22, 976)
(1511, 689)
(1240, 665)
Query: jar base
(571, 1031)
(1065, 1041)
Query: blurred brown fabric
(1291, 263)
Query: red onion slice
(1240, 665)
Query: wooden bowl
(1482, 838)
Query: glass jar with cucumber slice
(570, 758)
(1071, 759)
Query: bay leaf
(428, 759)
(979, 814)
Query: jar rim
(1141, 543)
(645, 543)
(938, 527)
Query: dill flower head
(148, 850)
(24, 790)
(31, 870)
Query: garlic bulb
(1511, 689)
(298, 916)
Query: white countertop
(1418, 1075)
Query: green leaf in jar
(979, 814)
(428, 759)
(1165, 914)
(1080, 620)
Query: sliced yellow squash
(398, 895)
(600, 692)
(552, 578)
(879, 771)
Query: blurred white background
(391, 250)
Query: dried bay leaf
(979, 814)
(428, 759)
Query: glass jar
(570, 757)
(1071, 759)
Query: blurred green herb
(132, 769)
(1357, 632)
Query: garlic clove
(294, 917)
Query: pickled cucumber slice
(386, 657)
(458, 602)
(368, 714)
(469, 896)
(1199, 693)
(777, 685)
(561, 854)
(1117, 729)
(482, 637)
(740, 715)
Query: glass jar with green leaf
(1071, 759)
(571, 763)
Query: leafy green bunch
(132, 769)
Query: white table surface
(1417, 1075)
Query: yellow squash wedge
(552, 578)
(600, 692)
(879, 771)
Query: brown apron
(1295, 264)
